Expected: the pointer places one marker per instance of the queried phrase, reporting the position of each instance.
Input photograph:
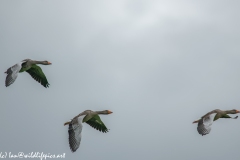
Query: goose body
(206, 121)
(31, 67)
(75, 126)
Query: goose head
(47, 63)
(234, 111)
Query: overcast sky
(157, 64)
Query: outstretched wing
(227, 116)
(74, 133)
(37, 74)
(205, 123)
(96, 123)
(12, 73)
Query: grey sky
(158, 65)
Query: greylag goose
(29, 66)
(75, 126)
(205, 123)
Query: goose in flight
(205, 123)
(29, 66)
(75, 126)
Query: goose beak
(49, 63)
(109, 112)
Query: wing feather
(96, 123)
(12, 73)
(37, 74)
(74, 132)
(205, 123)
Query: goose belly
(24, 68)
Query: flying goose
(29, 66)
(75, 126)
(204, 124)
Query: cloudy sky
(157, 64)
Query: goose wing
(37, 74)
(97, 123)
(205, 123)
(74, 133)
(12, 73)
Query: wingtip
(47, 85)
